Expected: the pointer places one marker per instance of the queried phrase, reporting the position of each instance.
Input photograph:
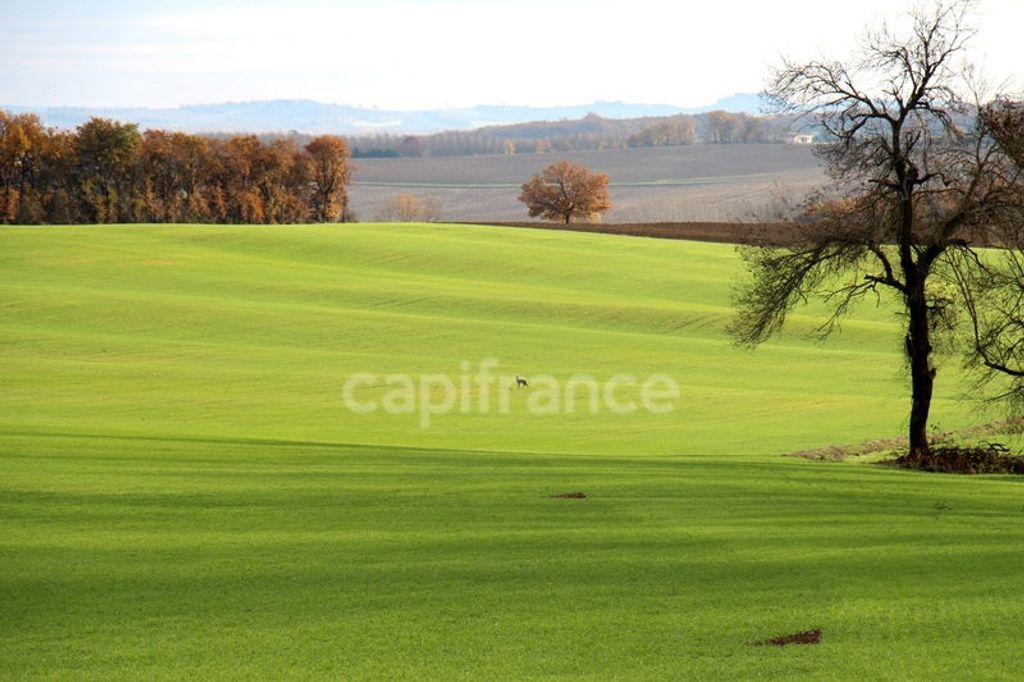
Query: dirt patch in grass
(569, 496)
(808, 637)
(987, 458)
(838, 453)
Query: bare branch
(917, 182)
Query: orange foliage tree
(566, 191)
(21, 143)
(409, 208)
(109, 171)
(331, 170)
(106, 152)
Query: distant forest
(592, 132)
(110, 172)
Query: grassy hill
(184, 493)
(253, 332)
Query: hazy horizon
(477, 105)
(406, 55)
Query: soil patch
(987, 458)
(570, 496)
(773, 234)
(838, 453)
(808, 637)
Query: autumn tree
(674, 131)
(406, 207)
(284, 180)
(330, 170)
(195, 167)
(156, 196)
(174, 175)
(722, 127)
(56, 182)
(566, 191)
(106, 152)
(240, 161)
(918, 181)
(22, 139)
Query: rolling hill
(247, 332)
(184, 492)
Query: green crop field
(185, 493)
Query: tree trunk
(922, 375)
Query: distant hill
(306, 116)
(739, 103)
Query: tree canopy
(109, 171)
(565, 192)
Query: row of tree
(106, 171)
(592, 132)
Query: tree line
(590, 133)
(109, 172)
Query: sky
(408, 54)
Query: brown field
(777, 234)
(717, 183)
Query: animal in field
(521, 382)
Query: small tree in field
(920, 182)
(410, 208)
(565, 191)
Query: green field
(183, 492)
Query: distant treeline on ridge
(592, 132)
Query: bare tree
(918, 185)
(1004, 117)
(405, 207)
(993, 290)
